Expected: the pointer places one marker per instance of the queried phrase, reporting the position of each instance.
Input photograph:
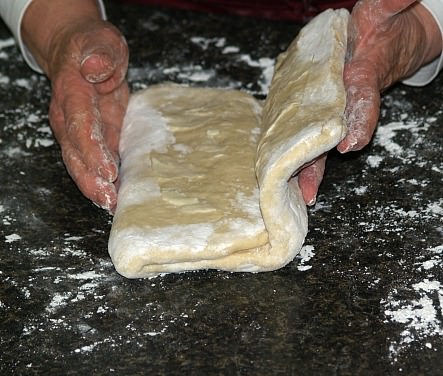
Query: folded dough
(207, 174)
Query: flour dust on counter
(71, 298)
(411, 306)
(419, 316)
(263, 64)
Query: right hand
(389, 40)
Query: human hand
(87, 67)
(388, 41)
(86, 60)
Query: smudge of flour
(386, 135)
(204, 43)
(12, 238)
(191, 73)
(4, 80)
(5, 43)
(266, 65)
(230, 50)
(305, 255)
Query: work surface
(364, 298)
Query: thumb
(98, 65)
(309, 179)
(104, 59)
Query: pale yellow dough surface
(206, 173)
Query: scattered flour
(413, 309)
(420, 318)
(198, 74)
(266, 64)
(386, 135)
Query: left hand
(86, 59)
(89, 99)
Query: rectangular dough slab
(205, 176)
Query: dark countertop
(366, 299)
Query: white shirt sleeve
(12, 11)
(429, 71)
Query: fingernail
(98, 69)
(105, 174)
(108, 173)
(343, 150)
(312, 201)
(107, 197)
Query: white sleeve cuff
(429, 71)
(12, 12)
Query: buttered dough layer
(207, 174)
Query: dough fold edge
(303, 118)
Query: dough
(207, 174)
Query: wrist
(434, 42)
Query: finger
(362, 106)
(84, 131)
(309, 180)
(100, 191)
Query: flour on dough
(206, 173)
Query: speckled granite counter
(365, 297)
